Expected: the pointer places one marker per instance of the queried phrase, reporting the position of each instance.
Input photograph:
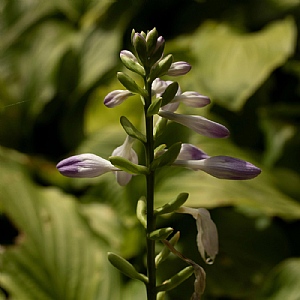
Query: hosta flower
(207, 237)
(223, 167)
(189, 98)
(199, 124)
(179, 68)
(116, 97)
(190, 152)
(127, 152)
(192, 99)
(85, 166)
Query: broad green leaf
(231, 65)
(59, 256)
(282, 282)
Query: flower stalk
(161, 98)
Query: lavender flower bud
(222, 167)
(179, 68)
(116, 97)
(199, 124)
(192, 99)
(84, 166)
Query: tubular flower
(125, 151)
(84, 166)
(179, 68)
(189, 98)
(192, 99)
(190, 152)
(223, 167)
(199, 124)
(207, 237)
(116, 97)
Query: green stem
(151, 221)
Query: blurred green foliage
(58, 59)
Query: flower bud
(199, 124)
(84, 166)
(179, 68)
(116, 97)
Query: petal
(125, 151)
(207, 238)
(191, 152)
(84, 166)
(116, 97)
(199, 124)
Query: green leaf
(130, 84)
(164, 253)
(128, 166)
(141, 211)
(57, 239)
(126, 267)
(169, 93)
(282, 282)
(131, 130)
(132, 65)
(161, 67)
(172, 205)
(177, 279)
(233, 65)
(161, 233)
(168, 157)
(154, 107)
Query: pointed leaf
(168, 157)
(126, 267)
(128, 166)
(176, 279)
(172, 205)
(169, 93)
(131, 130)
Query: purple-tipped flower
(116, 97)
(222, 167)
(179, 68)
(192, 99)
(191, 152)
(207, 237)
(125, 151)
(84, 166)
(199, 124)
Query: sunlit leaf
(58, 256)
(230, 65)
